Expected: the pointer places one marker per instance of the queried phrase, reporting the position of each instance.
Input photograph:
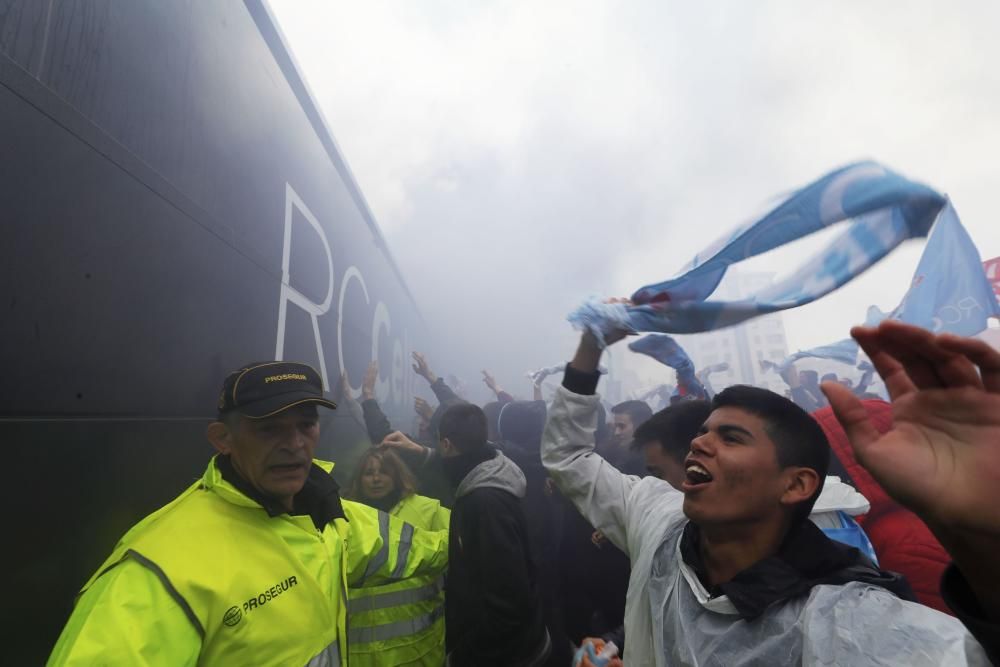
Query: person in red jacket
(903, 542)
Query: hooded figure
(493, 606)
(520, 427)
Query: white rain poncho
(669, 617)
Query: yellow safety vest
(261, 590)
(401, 623)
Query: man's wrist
(974, 555)
(588, 354)
(581, 382)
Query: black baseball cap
(266, 388)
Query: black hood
(436, 417)
(522, 422)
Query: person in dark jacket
(493, 606)
(520, 425)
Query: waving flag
(844, 351)
(992, 269)
(950, 291)
(885, 209)
(668, 351)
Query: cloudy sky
(522, 155)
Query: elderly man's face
(274, 454)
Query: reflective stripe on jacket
(401, 623)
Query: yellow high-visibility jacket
(401, 623)
(212, 579)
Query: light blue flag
(885, 209)
(669, 352)
(950, 291)
(844, 351)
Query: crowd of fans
(828, 526)
(580, 579)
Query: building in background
(745, 345)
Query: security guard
(251, 564)
(399, 623)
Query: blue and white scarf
(885, 208)
(668, 352)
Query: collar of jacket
(319, 498)
(806, 558)
(457, 467)
(388, 503)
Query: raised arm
(383, 548)
(598, 490)
(376, 422)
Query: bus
(174, 207)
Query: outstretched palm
(942, 456)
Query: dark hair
(464, 424)
(798, 439)
(435, 425)
(637, 411)
(674, 428)
(522, 422)
(392, 465)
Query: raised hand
(368, 385)
(421, 368)
(588, 353)
(423, 409)
(398, 440)
(942, 457)
(490, 382)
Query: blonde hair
(392, 465)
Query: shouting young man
(729, 570)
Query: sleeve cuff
(580, 382)
(961, 599)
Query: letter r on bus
(289, 294)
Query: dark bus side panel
(173, 207)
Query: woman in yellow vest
(401, 623)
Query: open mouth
(696, 475)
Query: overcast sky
(522, 155)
